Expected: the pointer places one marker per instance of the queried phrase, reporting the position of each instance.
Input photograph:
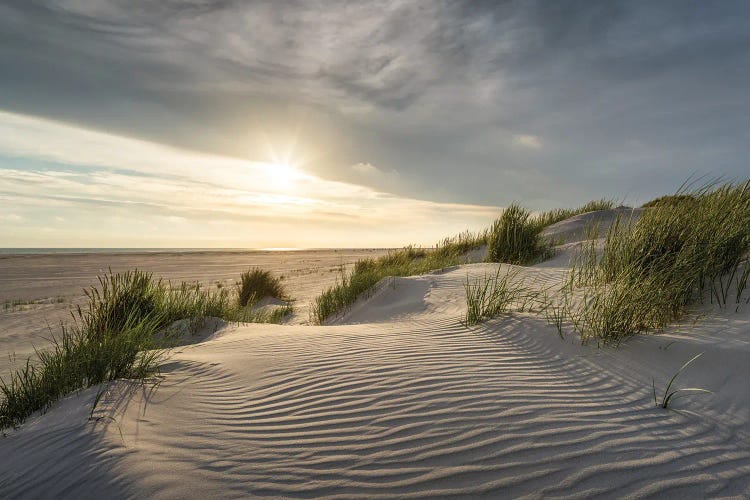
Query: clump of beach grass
(256, 284)
(408, 261)
(515, 238)
(118, 334)
(80, 358)
(648, 273)
(502, 293)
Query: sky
(223, 123)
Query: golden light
(284, 161)
(282, 176)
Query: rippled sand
(398, 399)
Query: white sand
(398, 399)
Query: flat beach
(38, 291)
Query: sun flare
(282, 175)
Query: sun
(282, 175)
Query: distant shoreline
(73, 251)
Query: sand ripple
(411, 405)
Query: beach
(398, 398)
(38, 291)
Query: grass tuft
(256, 284)
(648, 273)
(116, 335)
(515, 238)
(669, 394)
(492, 296)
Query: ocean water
(47, 251)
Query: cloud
(368, 169)
(528, 141)
(432, 90)
(185, 198)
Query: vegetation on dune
(550, 217)
(647, 274)
(669, 200)
(127, 316)
(670, 395)
(516, 236)
(689, 247)
(256, 284)
(493, 296)
(408, 261)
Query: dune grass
(669, 200)
(670, 394)
(492, 296)
(114, 336)
(516, 236)
(78, 359)
(648, 273)
(256, 284)
(408, 261)
(550, 217)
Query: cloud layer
(476, 103)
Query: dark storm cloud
(478, 102)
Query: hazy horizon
(227, 124)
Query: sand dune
(398, 399)
(574, 229)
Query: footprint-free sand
(398, 399)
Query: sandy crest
(400, 400)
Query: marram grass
(492, 296)
(516, 236)
(116, 335)
(408, 261)
(647, 274)
(256, 284)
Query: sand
(397, 399)
(51, 285)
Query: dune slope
(399, 399)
